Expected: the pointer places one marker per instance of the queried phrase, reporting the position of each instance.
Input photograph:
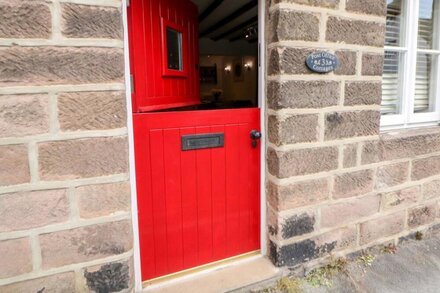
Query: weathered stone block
(297, 225)
(64, 282)
(372, 64)
(376, 7)
(52, 65)
(26, 210)
(355, 32)
(25, 19)
(422, 215)
(302, 162)
(293, 129)
(382, 227)
(92, 111)
(346, 212)
(303, 94)
(293, 25)
(16, 257)
(85, 243)
(370, 152)
(353, 184)
(85, 21)
(285, 60)
(83, 158)
(320, 3)
(362, 93)
(23, 115)
(425, 168)
(102, 200)
(111, 277)
(431, 190)
(339, 125)
(14, 165)
(401, 198)
(348, 60)
(350, 155)
(391, 175)
(298, 195)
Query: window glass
(174, 49)
(394, 21)
(391, 92)
(426, 24)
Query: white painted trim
(134, 208)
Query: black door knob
(255, 134)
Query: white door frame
(262, 106)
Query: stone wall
(336, 184)
(65, 221)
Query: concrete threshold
(224, 278)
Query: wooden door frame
(262, 105)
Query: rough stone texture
(346, 212)
(102, 200)
(391, 175)
(350, 155)
(25, 19)
(353, 184)
(302, 162)
(292, 25)
(400, 198)
(370, 152)
(26, 210)
(14, 165)
(297, 225)
(293, 129)
(298, 195)
(83, 158)
(85, 243)
(422, 215)
(84, 21)
(348, 60)
(284, 60)
(382, 227)
(60, 283)
(362, 93)
(51, 65)
(372, 64)
(340, 125)
(91, 111)
(424, 168)
(23, 115)
(320, 3)
(376, 7)
(431, 190)
(355, 32)
(111, 277)
(303, 94)
(16, 257)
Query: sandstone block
(55, 65)
(382, 227)
(83, 158)
(92, 111)
(293, 25)
(348, 60)
(339, 125)
(424, 168)
(302, 162)
(293, 129)
(116, 276)
(319, 3)
(285, 60)
(346, 212)
(375, 7)
(24, 115)
(26, 210)
(401, 198)
(85, 243)
(350, 155)
(422, 215)
(64, 282)
(303, 94)
(25, 19)
(431, 190)
(372, 64)
(391, 175)
(370, 152)
(102, 200)
(85, 21)
(14, 165)
(297, 225)
(357, 32)
(353, 184)
(16, 257)
(362, 93)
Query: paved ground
(415, 267)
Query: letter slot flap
(203, 141)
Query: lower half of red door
(198, 202)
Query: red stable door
(197, 172)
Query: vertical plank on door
(245, 149)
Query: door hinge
(131, 83)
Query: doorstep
(224, 278)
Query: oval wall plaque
(322, 62)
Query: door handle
(255, 135)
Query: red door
(197, 172)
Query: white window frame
(408, 49)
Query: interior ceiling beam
(236, 28)
(210, 9)
(240, 11)
(241, 37)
